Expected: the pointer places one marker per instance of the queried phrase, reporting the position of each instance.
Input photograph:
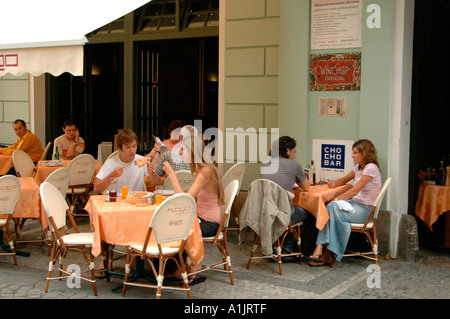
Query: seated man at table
(122, 167)
(70, 144)
(285, 171)
(27, 142)
(173, 157)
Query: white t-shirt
(133, 176)
(63, 145)
(368, 194)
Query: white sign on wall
(336, 24)
(332, 158)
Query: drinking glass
(158, 194)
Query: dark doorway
(93, 101)
(430, 142)
(175, 79)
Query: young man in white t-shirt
(122, 167)
(70, 144)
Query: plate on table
(168, 192)
(133, 197)
(53, 163)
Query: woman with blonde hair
(353, 206)
(207, 188)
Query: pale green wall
(250, 75)
(260, 92)
(367, 109)
(14, 104)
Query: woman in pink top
(366, 178)
(207, 188)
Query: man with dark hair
(70, 144)
(27, 142)
(289, 172)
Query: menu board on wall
(336, 24)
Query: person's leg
(299, 214)
(339, 230)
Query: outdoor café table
(6, 163)
(432, 202)
(313, 201)
(29, 204)
(122, 223)
(42, 170)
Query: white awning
(48, 35)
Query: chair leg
(91, 266)
(7, 232)
(127, 272)
(228, 261)
(255, 246)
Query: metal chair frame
(369, 227)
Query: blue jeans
(336, 232)
(298, 215)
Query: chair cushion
(78, 239)
(77, 190)
(369, 225)
(208, 239)
(153, 250)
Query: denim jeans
(298, 215)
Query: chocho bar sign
(335, 72)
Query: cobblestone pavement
(353, 278)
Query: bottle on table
(112, 190)
(312, 174)
(441, 174)
(57, 154)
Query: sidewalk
(352, 278)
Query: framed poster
(335, 72)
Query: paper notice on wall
(336, 24)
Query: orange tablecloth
(43, 171)
(29, 204)
(125, 224)
(6, 163)
(313, 202)
(432, 202)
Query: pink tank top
(208, 207)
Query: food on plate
(142, 161)
(138, 194)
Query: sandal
(315, 258)
(193, 281)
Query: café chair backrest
(81, 170)
(185, 179)
(113, 154)
(9, 193)
(55, 205)
(47, 148)
(60, 179)
(235, 172)
(23, 164)
(173, 218)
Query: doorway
(430, 142)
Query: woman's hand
(168, 169)
(331, 183)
